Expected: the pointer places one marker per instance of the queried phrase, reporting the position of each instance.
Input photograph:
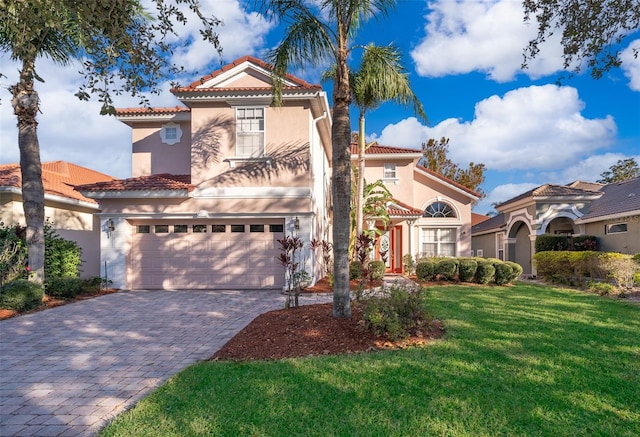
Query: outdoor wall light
(296, 224)
(111, 225)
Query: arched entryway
(519, 246)
(560, 226)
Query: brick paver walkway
(66, 371)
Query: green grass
(526, 360)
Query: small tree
(290, 259)
(623, 170)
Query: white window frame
(609, 227)
(390, 172)
(480, 253)
(438, 242)
(247, 130)
(171, 133)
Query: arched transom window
(439, 209)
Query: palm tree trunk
(341, 187)
(360, 185)
(26, 104)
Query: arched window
(438, 210)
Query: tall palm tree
(381, 78)
(326, 37)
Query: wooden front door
(390, 244)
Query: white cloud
(588, 169)
(500, 194)
(533, 128)
(631, 65)
(490, 36)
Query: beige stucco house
(219, 179)
(72, 215)
(430, 214)
(609, 212)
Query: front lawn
(527, 360)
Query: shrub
(62, 257)
(355, 270)
(21, 295)
(503, 273)
(467, 269)
(408, 264)
(485, 272)
(376, 270)
(516, 270)
(585, 242)
(65, 288)
(425, 270)
(395, 313)
(447, 269)
(602, 288)
(13, 253)
(551, 242)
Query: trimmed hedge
(467, 269)
(21, 295)
(516, 270)
(447, 268)
(65, 288)
(426, 270)
(549, 242)
(503, 273)
(485, 272)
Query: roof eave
(453, 187)
(135, 194)
(619, 215)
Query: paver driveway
(66, 371)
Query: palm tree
(381, 78)
(121, 50)
(326, 37)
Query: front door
(389, 249)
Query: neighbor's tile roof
(152, 111)
(156, 182)
(618, 198)
(377, 149)
(551, 190)
(58, 178)
(478, 218)
(193, 87)
(401, 209)
(493, 223)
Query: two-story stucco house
(217, 182)
(219, 179)
(430, 214)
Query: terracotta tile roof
(193, 87)
(492, 224)
(58, 178)
(154, 111)
(377, 149)
(401, 209)
(143, 183)
(478, 218)
(618, 198)
(448, 181)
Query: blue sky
(464, 62)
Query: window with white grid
(249, 132)
(438, 242)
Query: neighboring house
(72, 214)
(609, 212)
(217, 182)
(430, 214)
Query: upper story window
(171, 133)
(389, 171)
(249, 132)
(439, 210)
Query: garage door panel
(205, 260)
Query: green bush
(408, 264)
(551, 242)
(65, 288)
(636, 258)
(395, 313)
(602, 288)
(21, 295)
(425, 270)
(355, 270)
(585, 242)
(376, 270)
(467, 269)
(516, 270)
(62, 257)
(485, 272)
(503, 273)
(13, 253)
(447, 269)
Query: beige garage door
(206, 255)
